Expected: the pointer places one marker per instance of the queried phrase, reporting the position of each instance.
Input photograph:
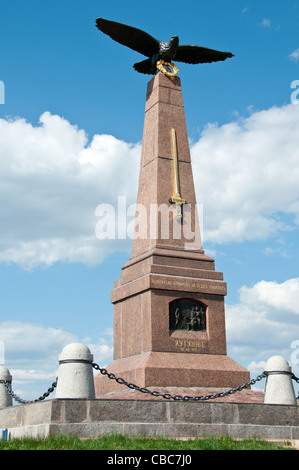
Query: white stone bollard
(5, 397)
(75, 373)
(279, 388)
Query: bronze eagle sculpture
(156, 50)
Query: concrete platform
(92, 418)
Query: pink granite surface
(164, 110)
(245, 396)
(160, 369)
(162, 269)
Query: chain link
(168, 396)
(21, 400)
(155, 393)
(296, 380)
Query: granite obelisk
(169, 315)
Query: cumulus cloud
(51, 182)
(265, 323)
(31, 353)
(52, 179)
(32, 340)
(247, 175)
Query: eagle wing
(199, 55)
(128, 36)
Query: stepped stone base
(161, 369)
(92, 418)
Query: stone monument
(169, 316)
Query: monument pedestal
(148, 350)
(169, 318)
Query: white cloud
(31, 353)
(256, 368)
(246, 173)
(32, 340)
(269, 251)
(52, 180)
(265, 23)
(264, 323)
(294, 56)
(283, 297)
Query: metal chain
(155, 393)
(21, 400)
(168, 396)
(295, 378)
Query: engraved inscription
(209, 286)
(189, 346)
(186, 314)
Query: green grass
(120, 442)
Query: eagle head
(174, 41)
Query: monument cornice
(170, 283)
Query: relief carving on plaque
(186, 314)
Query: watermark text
(294, 99)
(151, 222)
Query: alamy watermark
(155, 221)
(294, 359)
(2, 92)
(294, 99)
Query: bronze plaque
(186, 314)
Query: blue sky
(70, 139)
